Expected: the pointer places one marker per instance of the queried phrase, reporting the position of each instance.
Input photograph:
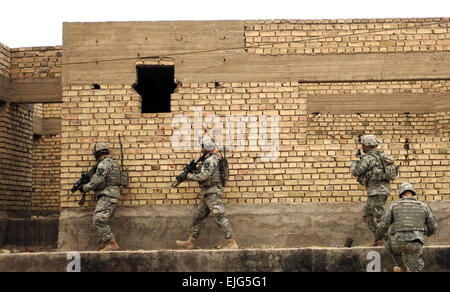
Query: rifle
(358, 153)
(189, 168)
(78, 186)
(123, 171)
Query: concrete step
(357, 259)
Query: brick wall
(346, 36)
(5, 60)
(30, 167)
(315, 150)
(16, 134)
(92, 115)
(36, 62)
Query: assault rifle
(358, 153)
(78, 186)
(189, 168)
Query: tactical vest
(113, 178)
(215, 178)
(409, 215)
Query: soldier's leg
(368, 214)
(201, 213)
(102, 216)
(378, 206)
(413, 257)
(218, 211)
(397, 249)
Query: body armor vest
(214, 179)
(409, 215)
(113, 178)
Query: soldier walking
(106, 183)
(411, 220)
(370, 172)
(208, 177)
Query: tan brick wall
(36, 62)
(315, 150)
(46, 173)
(16, 134)
(5, 60)
(92, 115)
(347, 36)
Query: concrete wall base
(256, 226)
(437, 259)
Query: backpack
(224, 169)
(386, 169)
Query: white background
(39, 22)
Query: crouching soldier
(106, 184)
(411, 220)
(209, 179)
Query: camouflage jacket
(208, 175)
(106, 171)
(429, 223)
(363, 167)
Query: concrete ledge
(437, 259)
(256, 226)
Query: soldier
(106, 184)
(377, 190)
(411, 220)
(208, 177)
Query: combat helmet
(369, 140)
(404, 187)
(208, 144)
(99, 149)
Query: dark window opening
(96, 86)
(155, 85)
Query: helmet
(369, 140)
(208, 144)
(100, 148)
(404, 187)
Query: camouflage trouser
(211, 203)
(374, 210)
(102, 217)
(407, 254)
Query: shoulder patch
(206, 164)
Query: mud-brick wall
(36, 62)
(44, 157)
(16, 144)
(5, 60)
(418, 142)
(347, 36)
(91, 115)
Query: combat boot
(101, 245)
(231, 244)
(188, 244)
(398, 269)
(110, 245)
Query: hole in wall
(95, 86)
(155, 84)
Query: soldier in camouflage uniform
(208, 177)
(411, 220)
(106, 184)
(377, 191)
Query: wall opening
(155, 85)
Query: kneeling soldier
(411, 220)
(208, 177)
(106, 184)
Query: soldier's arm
(205, 172)
(431, 222)
(98, 178)
(360, 167)
(384, 224)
